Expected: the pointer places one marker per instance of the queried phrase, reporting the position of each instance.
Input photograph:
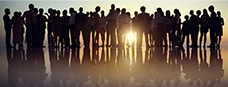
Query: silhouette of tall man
(111, 26)
(7, 27)
(144, 26)
(31, 21)
(212, 26)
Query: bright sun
(130, 37)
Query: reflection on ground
(115, 67)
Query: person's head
(219, 13)
(186, 17)
(41, 10)
(177, 12)
(19, 13)
(129, 14)
(98, 8)
(15, 14)
(102, 13)
(152, 16)
(112, 6)
(123, 11)
(143, 8)
(211, 8)
(81, 9)
(58, 13)
(7, 11)
(64, 12)
(205, 11)
(87, 14)
(191, 12)
(136, 13)
(118, 10)
(198, 12)
(31, 6)
(71, 10)
(36, 10)
(50, 10)
(167, 13)
(159, 10)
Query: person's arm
(222, 22)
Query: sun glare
(130, 36)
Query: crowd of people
(160, 29)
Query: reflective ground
(114, 67)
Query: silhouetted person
(144, 25)
(167, 27)
(212, 26)
(103, 28)
(17, 28)
(41, 24)
(49, 26)
(186, 31)
(57, 29)
(204, 27)
(176, 27)
(111, 26)
(81, 21)
(65, 29)
(194, 21)
(159, 19)
(135, 23)
(123, 24)
(7, 27)
(72, 27)
(219, 30)
(96, 18)
(31, 22)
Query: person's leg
(201, 37)
(220, 38)
(7, 38)
(113, 36)
(77, 36)
(50, 37)
(73, 36)
(205, 38)
(146, 38)
(103, 38)
(139, 37)
(107, 37)
(119, 34)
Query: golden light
(130, 37)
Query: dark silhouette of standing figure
(212, 26)
(81, 26)
(57, 29)
(96, 19)
(204, 27)
(7, 27)
(122, 27)
(194, 24)
(31, 22)
(144, 26)
(102, 30)
(41, 24)
(111, 26)
(168, 26)
(219, 31)
(65, 29)
(49, 28)
(72, 27)
(185, 31)
(17, 28)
